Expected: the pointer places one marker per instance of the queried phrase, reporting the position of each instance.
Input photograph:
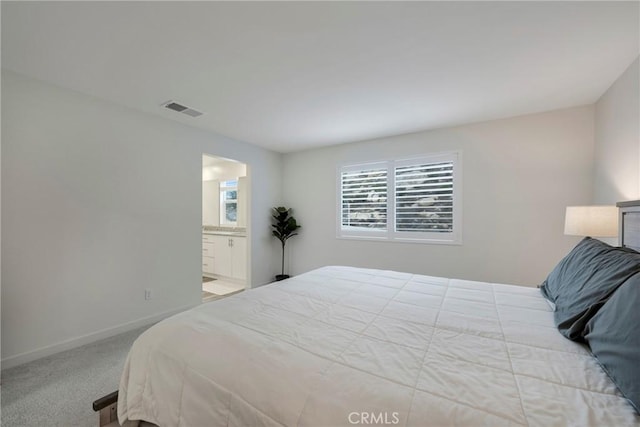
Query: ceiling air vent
(171, 105)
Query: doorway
(225, 212)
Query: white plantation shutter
(409, 200)
(364, 197)
(424, 197)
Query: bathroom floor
(213, 289)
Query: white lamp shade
(594, 221)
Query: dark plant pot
(280, 277)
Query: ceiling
(295, 75)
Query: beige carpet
(58, 390)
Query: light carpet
(58, 390)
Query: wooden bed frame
(107, 409)
(629, 224)
(629, 236)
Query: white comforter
(342, 346)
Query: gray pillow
(583, 281)
(614, 337)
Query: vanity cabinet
(227, 254)
(208, 251)
(239, 258)
(222, 261)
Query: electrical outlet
(147, 294)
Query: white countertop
(225, 233)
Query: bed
(343, 346)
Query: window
(406, 200)
(364, 197)
(229, 202)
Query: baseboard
(49, 350)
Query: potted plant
(284, 227)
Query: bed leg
(107, 408)
(109, 415)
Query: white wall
(100, 202)
(224, 171)
(519, 175)
(617, 140)
(210, 202)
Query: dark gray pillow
(583, 281)
(614, 337)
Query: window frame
(224, 202)
(389, 233)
